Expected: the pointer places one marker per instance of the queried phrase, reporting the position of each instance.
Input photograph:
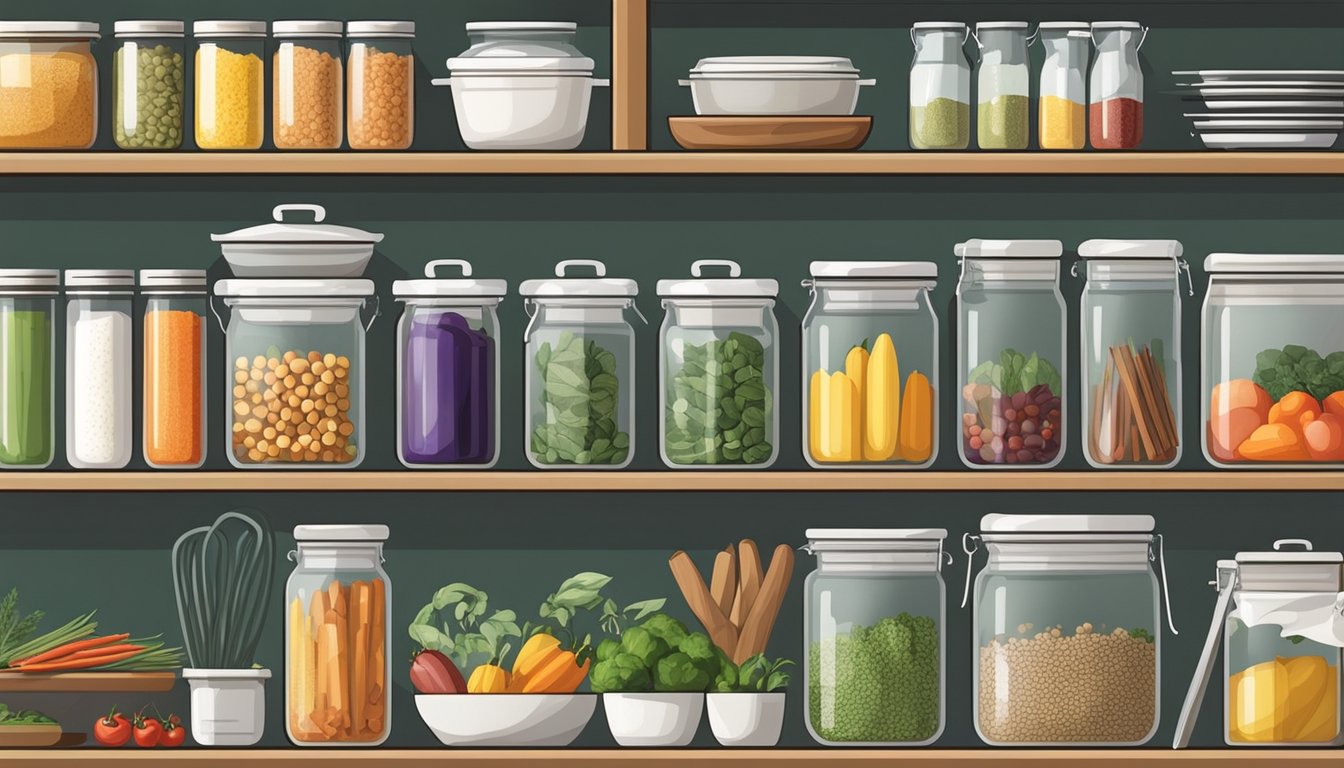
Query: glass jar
(149, 84)
(1273, 360)
(1067, 629)
(307, 85)
(859, 308)
(295, 361)
(874, 614)
(940, 86)
(27, 367)
(230, 84)
(1115, 112)
(718, 365)
(48, 85)
(338, 639)
(580, 369)
(1011, 358)
(1131, 339)
(1002, 85)
(448, 369)
(381, 98)
(98, 432)
(174, 379)
(1062, 117)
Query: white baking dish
(291, 249)
(505, 110)
(775, 85)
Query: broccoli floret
(644, 645)
(665, 627)
(621, 673)
(608, 649)
(702, 653)
(679, 672)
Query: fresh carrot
(67, 664)
(107, 650)
(69, 648)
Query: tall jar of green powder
(940, 86)
(1003, 80)
(873, 619)
(149, 84)
(27, 391)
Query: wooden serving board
(86, 682)
(29, 735)
(766, 133)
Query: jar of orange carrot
(174, 389)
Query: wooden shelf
(672, 163)
(86, 682)
(814, 480)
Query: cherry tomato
(174, 733)
(147, 730)
(113, 730)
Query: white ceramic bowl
(504, 111)
(653, 719)
(763, 94)
(746, 719)
(506, 719)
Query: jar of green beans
(149, 85)
(27, 391)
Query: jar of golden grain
(380, 101)
(48, 84)
(230, 83)
(306, 85)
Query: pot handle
(698, 266)
(601, 82)
(599, 268)
(319, 213)
(432, 266)
(684, 83)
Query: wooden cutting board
(774, 132)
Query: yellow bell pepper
(488, 678)
(882, 400)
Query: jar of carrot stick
(174, 388)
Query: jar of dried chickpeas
(230, 84)
(174, 352)
(380, 92)
(307, 85)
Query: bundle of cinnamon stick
(1132, 418)
(739, 606)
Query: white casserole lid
(49, 30)
(39, 281)
(599, 286)
(890, 270)
(1010, 249)
(190, 280)
(521, 26)
(1274, 262)
(786, 65)
(148, 28)
(341, 532)
(433, 285)
(718, 287)
(523, 55)
(1130, 249)
(380, 29)
(285, 232)
(297, 289)
(228, 28)
(1033, 524)
(1290, 556)
(306, 28)
(99, 280)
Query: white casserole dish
(284, 249)
(775, 85)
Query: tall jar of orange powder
(174, 388)
(380, 92)
(307, 87)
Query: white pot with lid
(775, 85)
(292, 249)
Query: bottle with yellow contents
(230, 84)
(1063, 100)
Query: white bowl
(764, 94)
(531, 111)
(746, 719)
(653, 719)
(506, 719)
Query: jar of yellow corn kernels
(380, 91)
(230, 84)
(306, 85)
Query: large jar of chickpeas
(307, 85)
(380, 95)
(295, 351)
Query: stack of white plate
(1266, 108)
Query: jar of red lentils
(230, 84)
(307, 85)
(380, 90)
(174, 389)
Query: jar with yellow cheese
(230, 83)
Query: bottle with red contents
(1115, 110)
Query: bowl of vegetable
(506, 719)
(746, 707)
(653, 681)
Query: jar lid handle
(1281, 543)
(599, 268)
(1194, 697)
(461, 264)
(697, 266)
(319, 213)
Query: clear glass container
(174, 377)
(718, 365)
(1011, 357)
(48, 85)
(1273, 360)
(1131, 352)
(1062, 114)
(149, 84)
(295, 362)
(338, 638)
(874, 616)
(230, 84)
(850, 420)
(940, 86)
(28, 367)
(98, 360)
(1003, 78)
(307, 85)
(381, 84)
(1115, 111)
(448, 369)
(1067, 630)
(580, 369)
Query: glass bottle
(230, 84)
(174, 376)
(98, 432)
(1115, 112)
(149, 76)
(307, 87)
(1063, 96)
(1003, 85)
(940, 86)
(27, 367)
(380, 95)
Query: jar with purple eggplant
(1010, 353)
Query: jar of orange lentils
(380, 92)
(48, 84)
(307, 87)
(230, 84)
(174, 390)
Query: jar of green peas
(149, 84)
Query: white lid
(1010, 249)
(30, 280)
(809, 65)
(148, 28)
(99, 278)
(911, 270)
(283, 232)
(524, 55)
(592, 287)
(298, 289)
(1064, 25)
(1279, 555)
(341, 532)
(172, 278)
(1274, 262)
(998, 523)
(380, 29)
(228, 28)
(520, 64)
(874, 534)
(307, 28)
(17, 30)
(983, 25)
(521, 26)
(1116, 25)
(1130, 249)
(938, 25)
(435, 286)
(732, 286)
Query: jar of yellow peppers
(230, 83)
(870, 365)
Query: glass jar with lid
(718, 365)
(1003, 85)
(940, 86)
(580, 368)
(49, 85)
(307, 88)
(338, 637)
(1131, 352)
(149, 84)
(1115, 111)
(174, 376)
(1062, 120)
(1066, 619)
(448, 369)
(27, 367)
(1273, 360)
(230, 83)
(1011, 358)
(380, 96)
(874, 614)
(870, 365)
(98, 431)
